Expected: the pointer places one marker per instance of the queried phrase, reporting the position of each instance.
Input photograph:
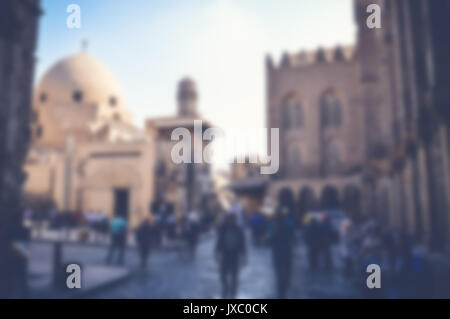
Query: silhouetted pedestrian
(192, 232)
(144, 238)
(230, 252)
(257, 224)
(328, 237)
(282, 239)
(347, 246)
(118, 239)
(312, 239)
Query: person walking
(282, 240)
(144, 239)
(312, 240)
(347, 246)
(192, 232)
(118, 239)
(230, 253)
(257, 224)
(328, 237)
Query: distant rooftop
(308, 58)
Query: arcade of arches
(329, 197)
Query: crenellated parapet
(310, 58)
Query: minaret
(187, 98)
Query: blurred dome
(80, 78)
(74, 94)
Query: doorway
(121, 202)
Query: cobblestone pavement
(169, 275)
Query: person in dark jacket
(144, 239)
(230, 252)
(191, 233)
(282, 239)
(312, 239)
(328, 237)
(257, 224)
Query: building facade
(365, 129)
(314, 98)
(406, 76)
(190, 185)
(88, 156)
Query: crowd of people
(161, 229)
(49, 218)
(334, 243)
(406, 271)
(278, 233)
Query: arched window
(113, 101)
(295, 159)
(299, 117)
(331, 110)
(77, 96)
(43, 97)
(293, 117)
(332, 159)
(287, 116)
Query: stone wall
(297, 91)
(18, 35)
(407, 62)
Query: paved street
(171, 276)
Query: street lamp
(57, 247)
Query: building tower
(187, 98)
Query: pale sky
(221, 44)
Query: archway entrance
(307, 201)
(286, 199)
(352, 202)
(330, 198)
(121, 202)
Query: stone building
(366, 128)
(87, 155)
(192, 183)
(405, 74)
(18, 37)
(314, 98)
